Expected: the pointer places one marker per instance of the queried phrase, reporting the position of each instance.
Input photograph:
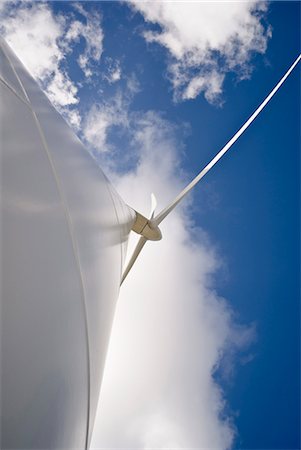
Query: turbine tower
(64, 238)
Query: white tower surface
(64, 232)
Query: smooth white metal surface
(64, 231)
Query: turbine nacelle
(146, 228)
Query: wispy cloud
(104, 116)
(90, 30)
(24, 28)
(205, 40)
(44, 49)
(101, 118)
(113, 70)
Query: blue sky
(244, 215)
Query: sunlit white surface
(64, 235)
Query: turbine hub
(146, 228)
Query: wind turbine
(64, 233)
(149, 228)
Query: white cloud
(72, 116)
(171, 329)
(43, 40)
(101, 118)
(60, 89)
(115, 75)
(36, 44)
(113, 71)
(97, 122)
(211, 84)
(34, 33)
(205, 40)
(132, 85)
(92, 33)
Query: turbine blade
(154, 205)
(161, 216)
(134, 256)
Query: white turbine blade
(154, 205)
(161, 216)
(134, 256)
